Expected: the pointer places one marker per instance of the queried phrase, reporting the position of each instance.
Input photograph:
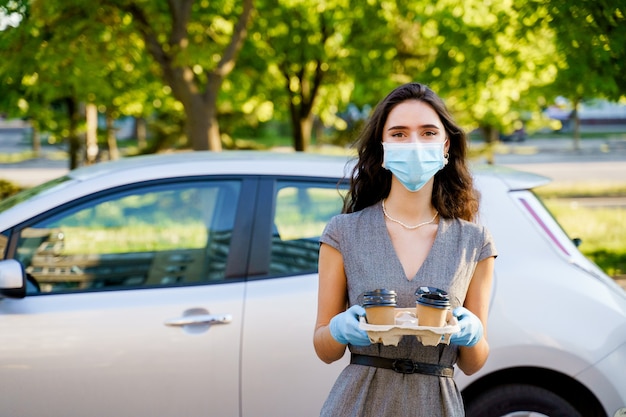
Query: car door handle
(206, 319)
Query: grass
(140, 238)
(582, 190)
(10, 158)
(602, 229)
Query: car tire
(520, 400)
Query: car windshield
(31, 192)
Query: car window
(301, 213)
(153, 236)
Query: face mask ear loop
(445, 158)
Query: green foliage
(612, 262)
(496, 63)
(7, 189)
(591, 46)
(485, 59)
(298, 56)
(582, 190)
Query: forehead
(412, 112)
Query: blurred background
(539, 85)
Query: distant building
(594, 115)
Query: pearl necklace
(406, 226)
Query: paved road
(595, 160)
(31, 172)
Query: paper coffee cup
(431, 316)
(380, 306)
(432, 307)
(380, 314)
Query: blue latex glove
(344, 327)
(471, 328)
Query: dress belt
(403, 366)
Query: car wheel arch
(556, 382)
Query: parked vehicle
(186, 284)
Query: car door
(281, 374)
(135, 304)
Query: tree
(194, 56)
(299, 42)
(60, 57)
(311, 59)
(482, 57)
(34, 66)
(591, 50)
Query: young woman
(407, 223)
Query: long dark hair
(453, 195)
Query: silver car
(186, 284)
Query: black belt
(403, 366)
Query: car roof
(107, 175)
(226, 162)
(266, 163)
(514, 180)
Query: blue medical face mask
(413, 164)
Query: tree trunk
(73, 139)
(302, 127)
(91, 136)
(36, 139)
(200, 104)
(318, 128)
(111, 137)
(491, 138)
(576, 128)
(198, 129)
(213, 129)
(301, 103)
(141, 132)
(202, 125)
(298, 139)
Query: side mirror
(12, 279)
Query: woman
(407, 223)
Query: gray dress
(370, 262)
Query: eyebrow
(428, 126)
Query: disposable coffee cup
(380, 306)
(431, 307)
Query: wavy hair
(454, 195)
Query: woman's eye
(397, 135)
(430, 133)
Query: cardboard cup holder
(428, 336)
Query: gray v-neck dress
(370, 262)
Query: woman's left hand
(471, 328)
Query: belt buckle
(403, 366)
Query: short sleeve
(331, 235)
(489, 248)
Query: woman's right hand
(344, 327)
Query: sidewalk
(561, 149)
(556, 158)
(30, 172)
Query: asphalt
(562, 160)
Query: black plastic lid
(380, 297)
(433, 297)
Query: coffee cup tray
(428, 336)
